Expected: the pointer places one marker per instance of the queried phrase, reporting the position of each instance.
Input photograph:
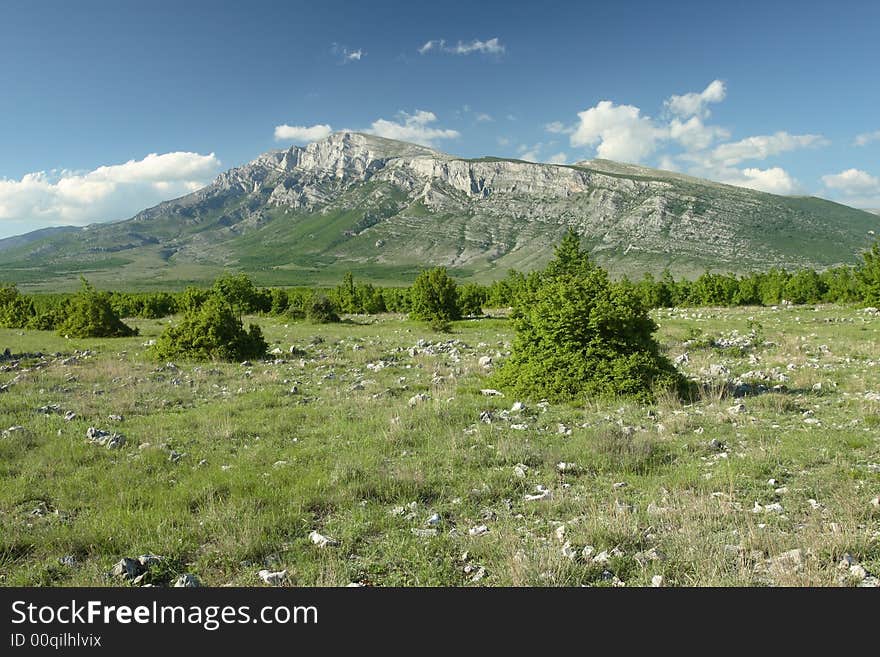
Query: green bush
(868, 276)
(434, 298)
(580, 335)
(321, 310)
(239, 291)
(471, 299)
(90, 315)
(16, 310)
(212, 332)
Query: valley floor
(376, 434)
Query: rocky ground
(375, 452)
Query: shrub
(578, 334)
(471, 299)
(321, 310)
(16, 310)
(868, 276)
(434, 298)
(212, 332)
(192, 298)
(91, 315)
(239, 291)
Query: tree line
(435, 297)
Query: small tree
(868, 276)
(16, 310)
(211, 332)
(434, 298)
(321, 310)
(471, 299)
(578, 334)
(239, 291)
(90, 315)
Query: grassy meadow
(375, 432)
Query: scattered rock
(322, 541)
(787, 563)
(127, 569)
(418, 399)
(657, 581)
(542, 493)
(489, 392)
(186, 580)
(272, 579)
(105, 438)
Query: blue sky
(106, 108)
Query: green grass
(262, 466)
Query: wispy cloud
(347, 55)
(866, 138)
(489, 47)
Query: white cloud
(852, 181)
(774, 180)
(763, 146)
(695, 104)
(854, 187)
(353, 56)
(866, 138)
(105, 194)
(530, 153)
(694, 135)
(482, 117)
(413, 127)
(302, 134)
(558, 158)
(490, 47)
(683, 141)
(619, 132)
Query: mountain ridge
(385, 208)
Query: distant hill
(384, 209)
(23, 240)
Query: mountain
(384, 209)
(34, 236)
